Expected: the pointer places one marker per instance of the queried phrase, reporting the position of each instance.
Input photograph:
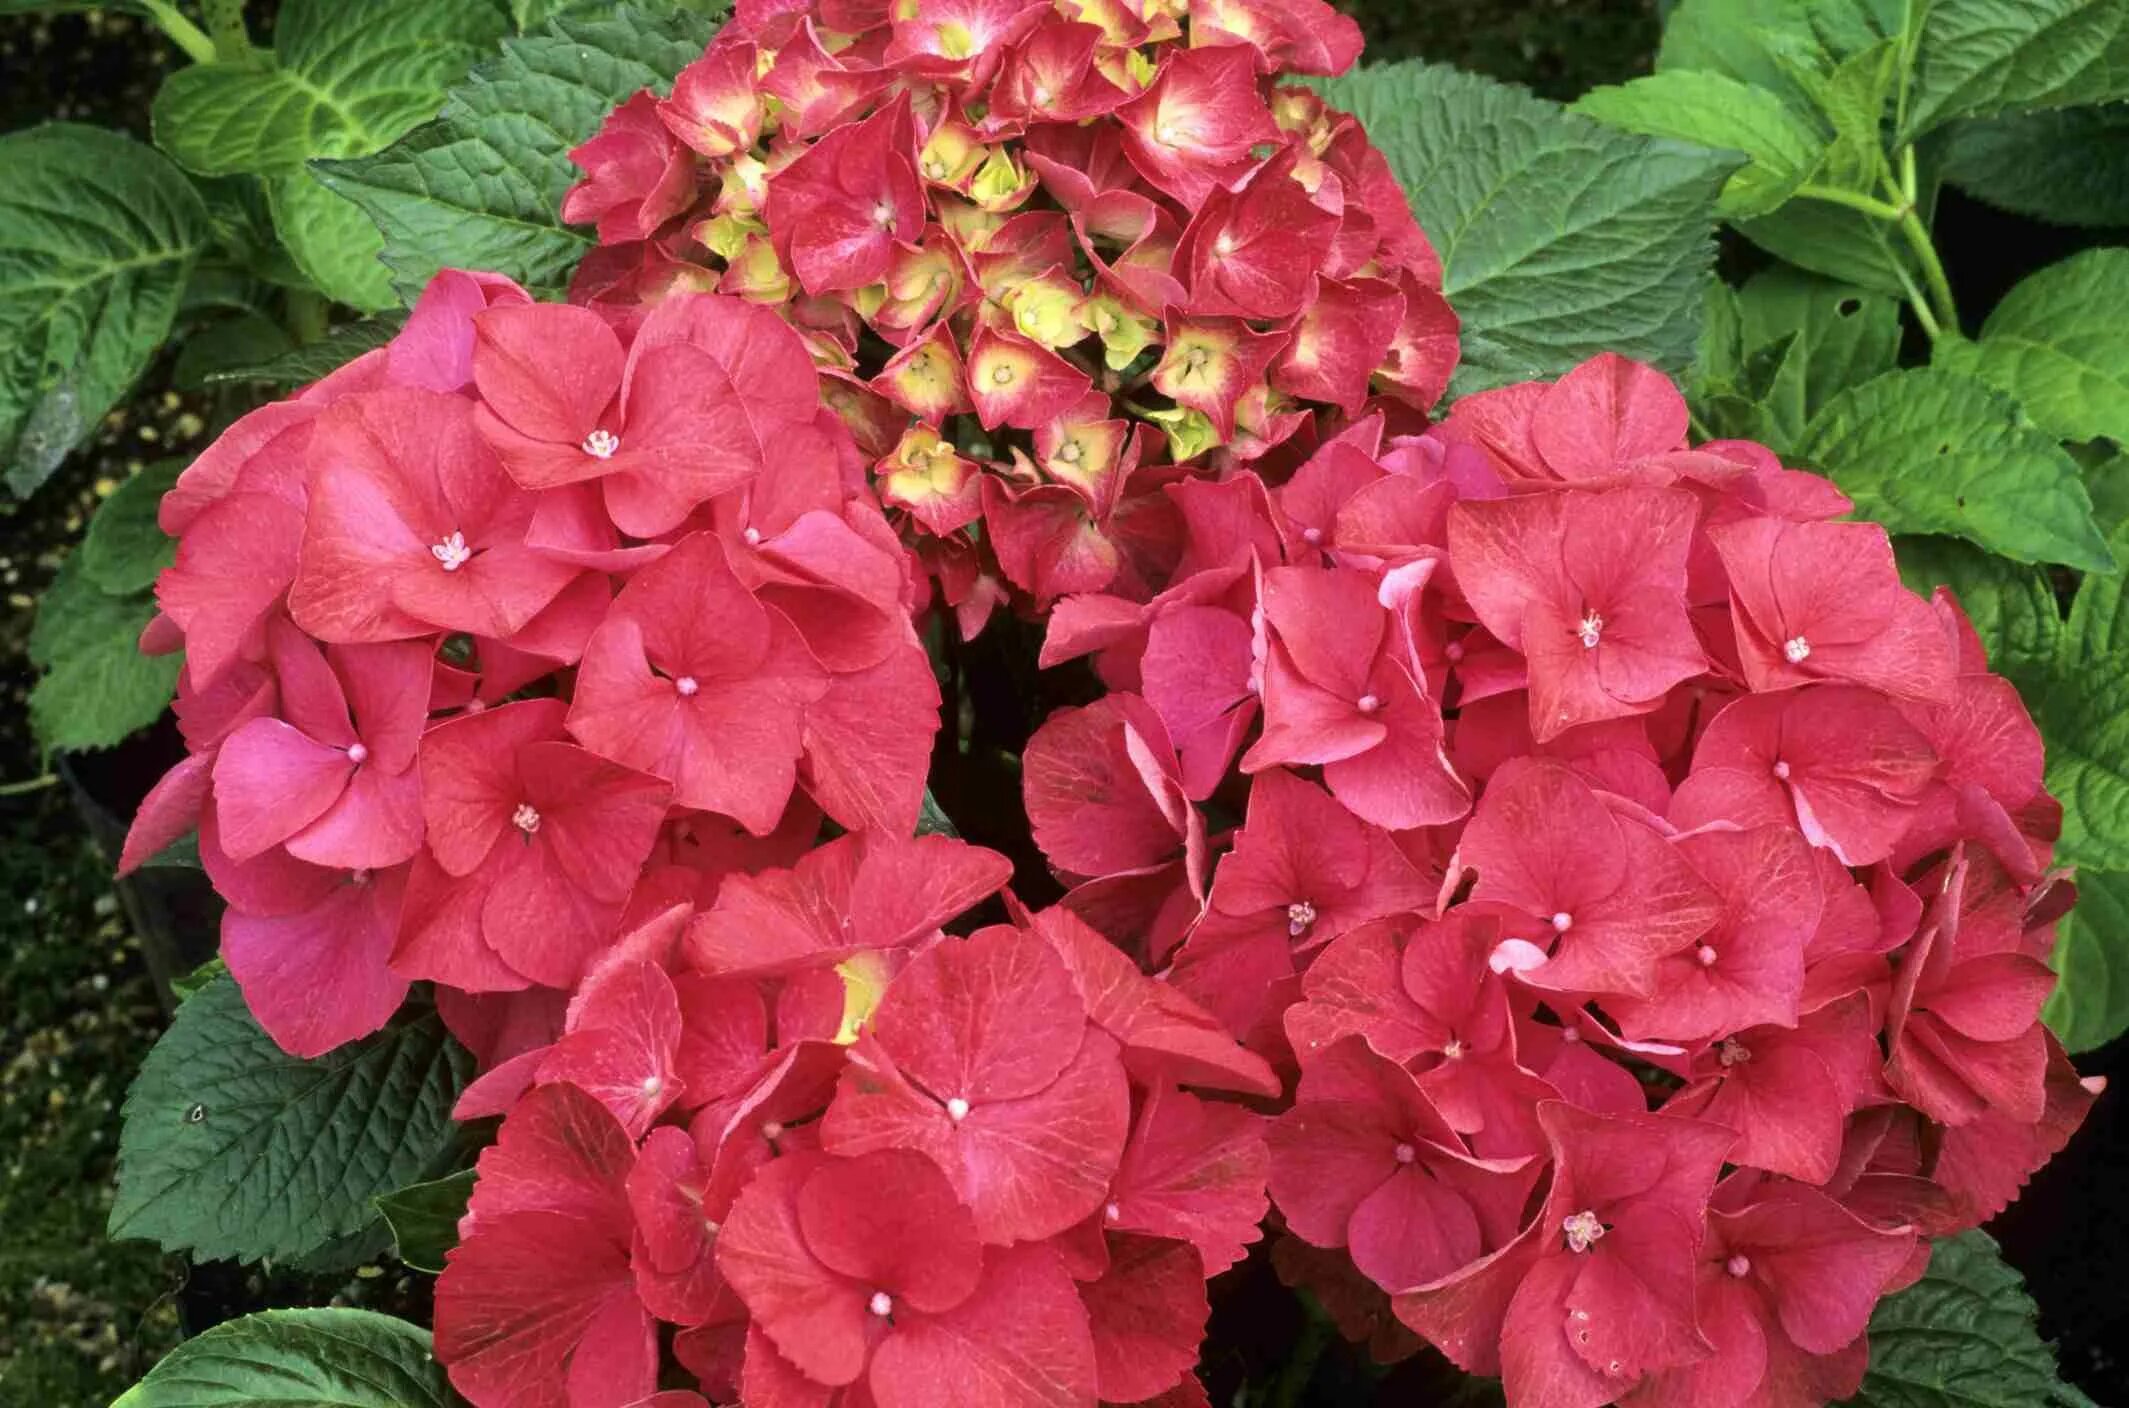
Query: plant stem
(1854, 200)
(1300, 1367)
(28, 785)
(306, 315)
(1940, 288)
(182, 32)
(225, 21)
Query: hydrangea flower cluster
(1649, 893)
(1561, 869)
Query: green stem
(1940, 288)
(1301, 1364)
(307, 315)
(28, 785)
(182, 32)
(1834, 195)
(1917, 301)
(225, 21)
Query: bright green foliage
(233, 1148)
(481, 187)
(1928, 451)
(300, 366)
(424, 1218)
(1964, 1336)
(1778, 350)
(2058, 344)
(2081, 701)
(328, 1358)
(344, 80)
(2011, 605)
(1713, 110)
(98, 235)
(2069, 167)
(2090, 1005)
(95, 687)
(1976, 58)
(1559, 237)
(125, 549)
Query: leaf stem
(1940, 287)
(307, 315)
(225, 21)
(181, 31)
(28, 785)
(1301, 1364)
(1854, 200)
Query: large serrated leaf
(98, 235)
(1559, 237)
(424, 1218)
(2090, 1004)
(313, 361)
(1928, 451)
(125, 548)
(346, 79)
(2058, 344)
(1978, 58)
(1964, 1336)
(1715, 110)
(327, 1358)
(2011, 605)
(232, 1148)
(481, 187)
(95, 686)
(2069, 167)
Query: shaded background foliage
(81, 1316)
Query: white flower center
(883, 215)
(452, 553)
(1589, 630)
(1781, 770)
(1738, 1266)
(526, 818)
(652, 1085)
(1113, 1213)
(957, 1109)
(1796, 650)
(1299, 915)
(1224, 245)
(772, 1130)
(601, 444)
(357, 753)
(1043, 95)
(1705, 955)
(1452, 1050)
(1367, 704)
(882, 1304)
(1312, 535)
(1732, 1052)
(1562, 922)
(1404, 1153)
(687, 686)
(1583, 1231)
(753, 537)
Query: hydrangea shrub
(1537, 868)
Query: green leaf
(303, 365)
(326, 1358)
(932, 819)
(2011, 604)
(1559, 237)
(2090, 1004)
(1843, 336)
(1964, 1336)
(232, 1148)
(481, 187)
(181, 854)
(332, 241)
(192, 983)
(1712, 110)
(1977, 58)
(1928, 451)
(348, 79)
(2058, 344)
(424, 1218)
(124, 550)
(98, 235)
(1787, 47)
(244, 339)
(2068, 168)
(96, 687)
